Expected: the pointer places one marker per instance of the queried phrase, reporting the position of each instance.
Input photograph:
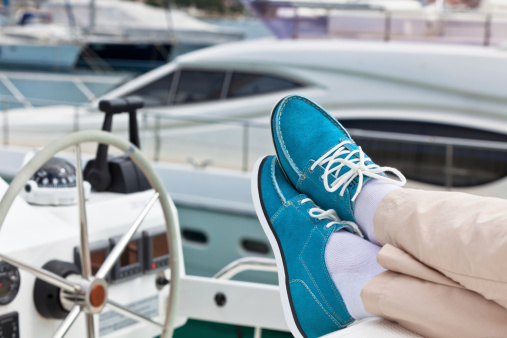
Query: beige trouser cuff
(447, 256)
(431, 309)
(462, 236)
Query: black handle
(97, 173)
(121, 105)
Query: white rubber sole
(266, 226)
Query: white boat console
(136, 299)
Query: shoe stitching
(316, 301)
(346, 197)
(275, 184)
(331, 283)
(300, 182)
(340, 300)
(312, 179)
(312, 220)
(278, 212)
(315, 284)
(279, 132)
(304, 175)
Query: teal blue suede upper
(303, 132)
(315, 301)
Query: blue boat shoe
(319, 157)
(298, 232)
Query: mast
(7, 6)
(92, 15)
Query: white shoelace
(357, 168)
(331, 215)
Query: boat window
(255, 246)
(156, 93)
(245, 84)
(426, 162)
(195, 236)
(198, 86)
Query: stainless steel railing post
(245, 145)
(157, 140)
(76, 119)
(5, 111)
(487, 30)
(295, 28)
(449, 154)
(257, 332)
(387, 27)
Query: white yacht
(111, 34)
(427, 109)
(134, 35)
(431, 91)
(38, 47)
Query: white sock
(352, 262)
(367, 202)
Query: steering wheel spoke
(118, 249)
(131, 314)
(91, 327)
(67, 322)
(84, 248)
(43, 274)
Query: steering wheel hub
(95, 296)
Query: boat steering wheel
(89, 293)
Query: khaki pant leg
(462, 236)
(431, 309)
(396, 260)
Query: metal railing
(243, 124)
(247, 264)
(371, 21)
(240, 141)
(76, 84)
(449, 143)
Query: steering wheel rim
(168, 207)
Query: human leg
(462, 236)
(319, 158)
(429, 303)
(317, 291)
(432, 309)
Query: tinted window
(156, 93)
(425, 162)
(244, 84)
(199, 86)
